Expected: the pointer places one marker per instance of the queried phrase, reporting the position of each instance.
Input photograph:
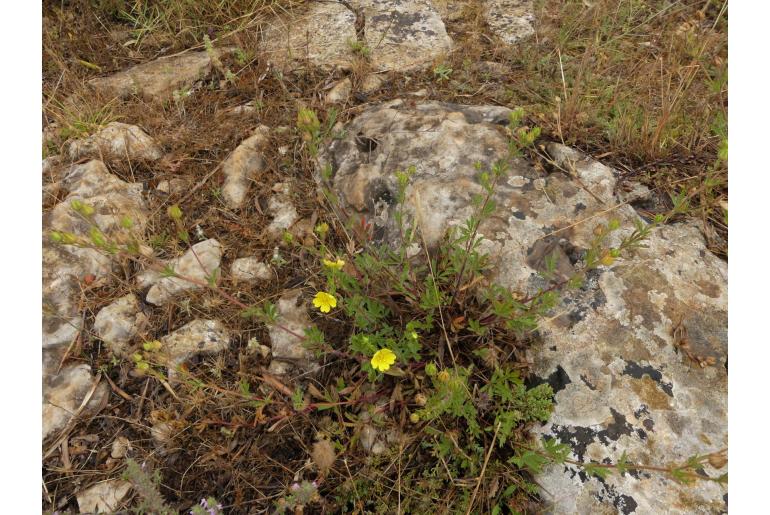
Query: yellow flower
(336, 265)
(383, 359)
(324, 301)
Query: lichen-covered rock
(104, 497)
(117, 141)
(158, 79)
(249, 270)
(118, 323)
(510, 20)
(63, 393)
(287, 335)
(199, 337)
(198, 264)
(243, 166)
(622, 382)
(398, 34)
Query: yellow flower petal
(337, 265)
(324, 301)
(383, 359)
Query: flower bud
(174, 212)
(431, 369)
(414, 418)
(56, 237)
(614, 224)
(126, 222)
(443, 376)
(607, 259)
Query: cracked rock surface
(620, 381)
(399, 34)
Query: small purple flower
(204, 504)
(295, 487)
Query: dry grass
(639, 84)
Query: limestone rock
(120, 322)
(510, 20)
(282, 209)
(340, 92)
(198, 263)
(244, 165)
(621, 382)
(399, 34)
(117, 141)
(104, 497)
(64, 393)
(287, 347)
(250, 269)
(158, 79)
(65, 265)
(174, 186)
(199, 337)
(371, 83)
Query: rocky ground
(159, 107)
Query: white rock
(64, 266)
(199, 337)
(158, 79)
(243, 166)
(287, 344)
(104, 497)
(198, 264)
(119, 322)
(281, 208)
(64, 393)
(511, 20)
(400, 35)
(250, 269)
(117, 141)
(340, 92)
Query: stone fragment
(104, 497)
(199, 337)
(250, 269)
(118, 323)
(158, 79)
(118, 141)
(371, 83)
(340, 92)
(281, 208)
(198, 264)
(287, 336)
(243, 166)
(63, 394)
(120, 446)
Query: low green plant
(442, 72)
